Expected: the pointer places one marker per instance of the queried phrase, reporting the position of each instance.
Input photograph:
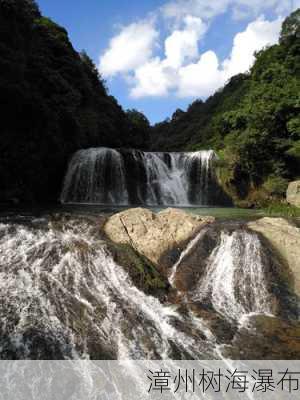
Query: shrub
(276, 186)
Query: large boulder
(285, 240)
(152, 235)
(293, 193)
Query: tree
(139, 129)
(177, 114)
(291, 28)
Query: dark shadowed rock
(266, 338)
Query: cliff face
(52, 101)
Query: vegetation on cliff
(53, 102)
(253, 123)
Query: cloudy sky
(160, 55)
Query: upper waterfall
(127, 177)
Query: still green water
(220, 213)
(217, 212)
(224, 213)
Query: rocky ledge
(155, 235)
(284, 238)
(152, 235)
(293, 193)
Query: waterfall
(126, 177)
(235, 281)
(64, 296)
(90, 171)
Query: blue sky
(160, 55)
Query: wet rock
(266, 337)
(142, 271)
(35, 344)
(153, 234)
(221, 328)
(195, 260)
(293, 193)
(284, 238)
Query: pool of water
(220, 213)
(217, 212)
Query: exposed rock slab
(154, 234)
(293, 193)
(265, 337)
(285, 239)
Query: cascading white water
(92, 175)
(235, 280)
(193, 243)
(123, 177)
(62, 285)
(167, 182)
(63, 296)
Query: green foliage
(294, 150)
(276, 186)
(293, 127)
(52, 29)
(199, 127)
(23, 9)
(139, 134)
(291, 28)
(279, 209)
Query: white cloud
(200, 79)
(132, 47)
(258, 34)
(158, 77)
(204, 9)
(207, 9)
(243, 8)
(151, 79)
(182, 45)
(182, 70)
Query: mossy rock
(142, 271)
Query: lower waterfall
(235, 280)
(64, 297)
(62, 293)
(126, 177)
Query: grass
(282, 210)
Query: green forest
(54, 102)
